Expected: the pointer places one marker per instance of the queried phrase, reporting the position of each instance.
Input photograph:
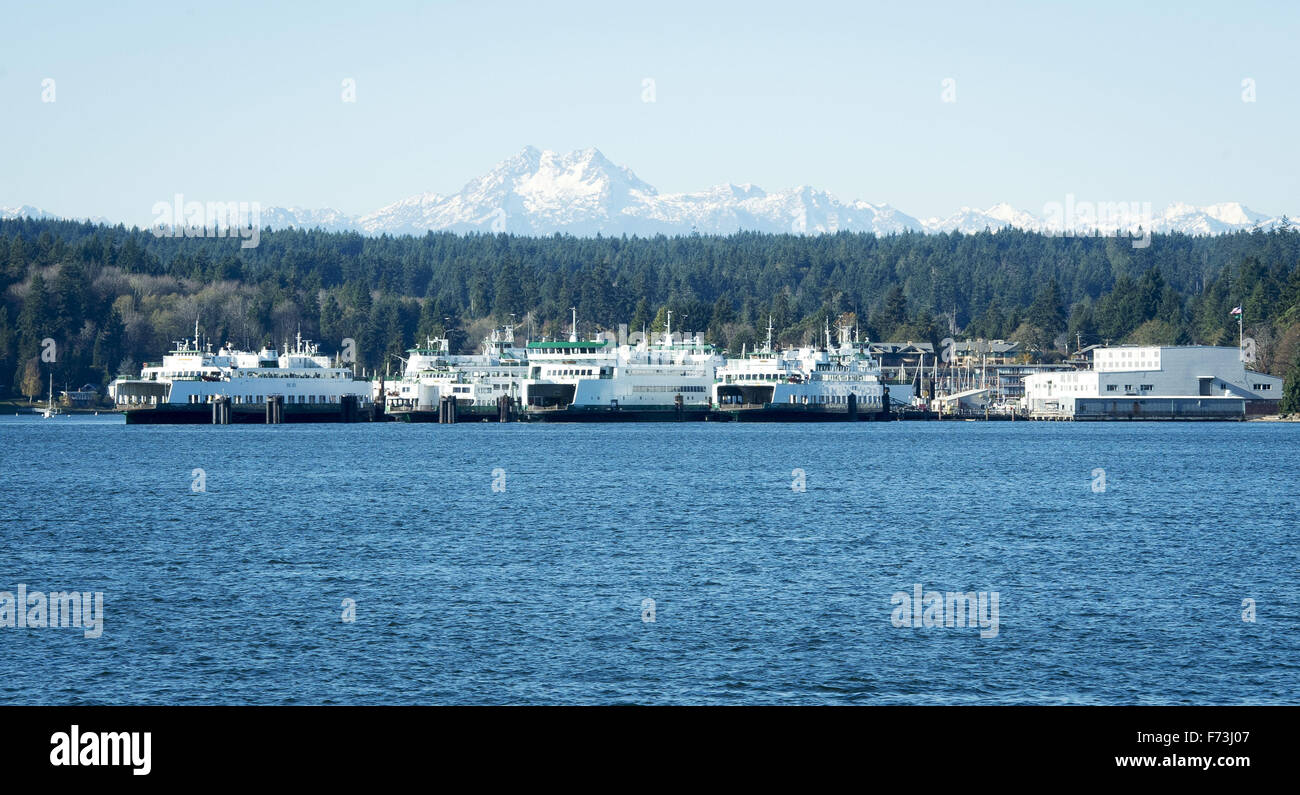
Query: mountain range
(582, 193)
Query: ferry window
(1110, 387)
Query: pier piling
(274, 409)
(221, 411)
(447, 410)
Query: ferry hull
(797, 413)
(463, 414)
(610, 414)
(243, 414)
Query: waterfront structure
(666, 379)
(83, 398)
(299, 385)
(899, 361)
(1155, 382)
(1009, 379)
(984, 353)
(477, 382)
(836, 382)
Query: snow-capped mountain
(540, 192)
(25, 211)
(1212, 220)
(36, 213)
(298, 218)
(969, 220)
(582, 193)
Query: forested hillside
(113, 297)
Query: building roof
(986, 346)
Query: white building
(1155, 382)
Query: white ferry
(301, 384)
(605, 380)
(805, 384)
(476, 381)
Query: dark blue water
(763, 594)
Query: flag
(1236, 310)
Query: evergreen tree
(640, 316)
(1046, 312)
(660, 322)
(36, 318)
(6, 339)
(1291, 391)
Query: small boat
(50, 409)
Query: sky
(236, 101)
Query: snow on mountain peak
(1234, 213)
(541, 192)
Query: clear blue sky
(242, 101)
